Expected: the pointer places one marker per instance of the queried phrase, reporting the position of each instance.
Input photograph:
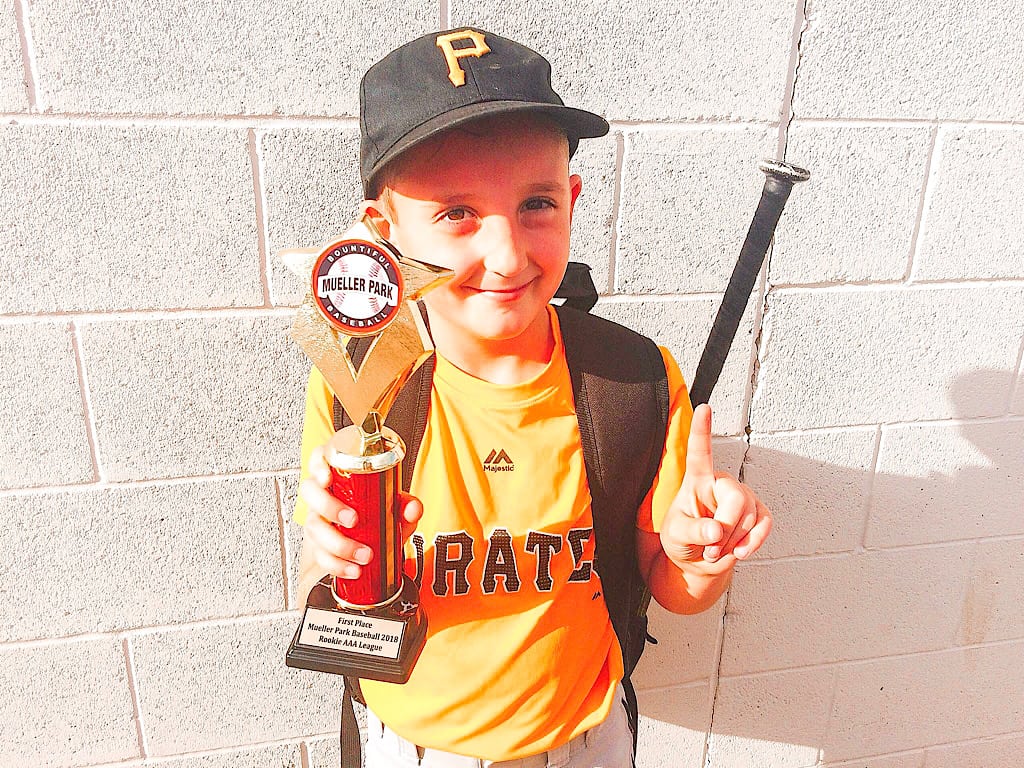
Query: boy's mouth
(510, 293)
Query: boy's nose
(505, 253)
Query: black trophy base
(380, 643)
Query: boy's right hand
(332, 551)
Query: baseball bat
(779, 180)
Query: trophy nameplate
(360, 326)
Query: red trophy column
(374, 497)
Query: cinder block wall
(153, 158)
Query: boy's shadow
(863, 563)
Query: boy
(464, 160)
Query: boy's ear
(575, 186)
(373, 209)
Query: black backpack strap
(620, 389)
(577, 287)
(408, 417)
(409, 414)
(620, 376)
(351, 745)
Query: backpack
(620, 389)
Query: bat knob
(783, 171)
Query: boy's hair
(446, 79)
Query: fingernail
(711, 553)
(347, 518)
(362, 555)
(740, 552)
(710, 531)
(351, 572)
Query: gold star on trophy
(361, 326)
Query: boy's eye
(538, 204)
(456, 214)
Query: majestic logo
(452, 54)
(498, 461)
(358, 287)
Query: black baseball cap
(445, 79)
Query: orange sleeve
(673, 460)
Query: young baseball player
(464, 161)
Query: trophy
(362, 328)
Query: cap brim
(577, 123)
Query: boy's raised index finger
(700, 460)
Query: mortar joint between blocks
(282, 524)
(195, 120)
(870, 490)
(129, 662)
(260, 202)
(754, 364)
(764, 289)
(830, 717)
(27, 45)
(786, 113)
(927, 186)
(620, 153)
(716, 676)
(87, 415)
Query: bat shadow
(892, 577)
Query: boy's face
(493, 202)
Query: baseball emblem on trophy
(361, 327)
(357, 286)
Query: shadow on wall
(880, 595)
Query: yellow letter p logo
(452, 55)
